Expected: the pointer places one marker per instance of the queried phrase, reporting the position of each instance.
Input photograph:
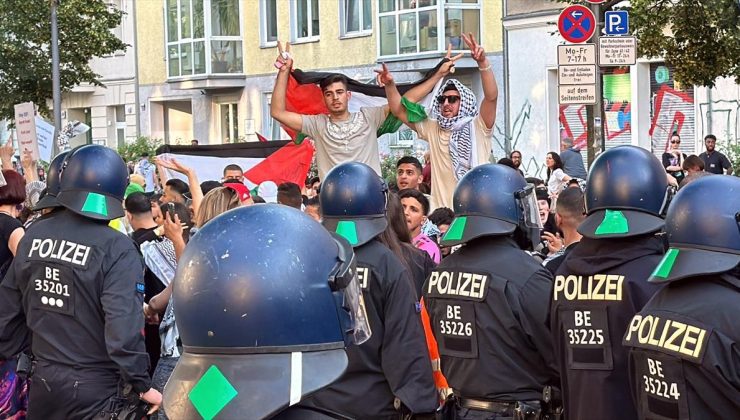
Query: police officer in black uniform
(77, 284)
(683, 357)
(391, 374)
(488, 301)
(603, 281)
(264, 323)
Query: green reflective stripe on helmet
(456, 229)
(95, 203)
(348, 230)
(212, 393)
(666, 265)
(614, 222)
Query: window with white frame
(402, 139)
(268, 22)
(271, 128)
(356, 17)
(304, 20)
(203, 37)
(420, 26)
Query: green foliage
(700, 38)
(733, 153)
(25, 53)
(131, 152)
(388, 167)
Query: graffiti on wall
(672, 112)
(721, 118)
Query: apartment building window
(304, 20)
(120, 112)
(412, 26)
(203, 37)
(356, 17)
(271, 128)
(229, 123)
(268, 23)
(402, 139)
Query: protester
(340, 136)
(572, 159)
(673, 159)
(570, 213)
(233, 171)
(179, 192)
(516, 157)
(289, 194)
(442, 218)
(459, 131)
(415, 210)
(313, 208)
(557, 179)
(409, 173)
(147, 170)
(714, 161)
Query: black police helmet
(485, 204)
(259, 320)
(626, 193)
(353, 199)
(53, 183)
(93, 183)
(703, 231)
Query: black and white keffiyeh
(462, 139)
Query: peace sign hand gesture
(479, 55)
(384, 76)
(449, 66)
(284, 60)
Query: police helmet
(627, 191)
(95, 179)
(703, 231)
(53, 180)
(353, 199)
(263, 322)
(492, 199)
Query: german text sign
(577, 95)
(25, 128)
(576, 54)
(617, 51)
(577, 75)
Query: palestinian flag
(304, 97)
(276, 161)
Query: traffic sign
(577, 75)
(617, 23)
(577, 95)
(576, 54)
(617, 51)
(576, 24)
(596, 1)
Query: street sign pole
(595, 113)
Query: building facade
(643, 105)
(110, 111)
(205, 67)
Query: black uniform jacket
(395, 361)
(598, 288)
(78, 285)
(488, 306)
(684, 359)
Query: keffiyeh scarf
(462, 139)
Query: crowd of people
(463, 289)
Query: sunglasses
(451, 99)
(675, 142)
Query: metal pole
(55, 78)
(595, 126)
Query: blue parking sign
(617, 22)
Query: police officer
(391, 374)
(77, 285)
(603, 281)
(263, 323)
(683, 357)
(488, 301)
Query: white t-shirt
(346, 141)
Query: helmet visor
(344, 279)
(530, 210)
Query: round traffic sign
(576, 24)
(596, 1)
